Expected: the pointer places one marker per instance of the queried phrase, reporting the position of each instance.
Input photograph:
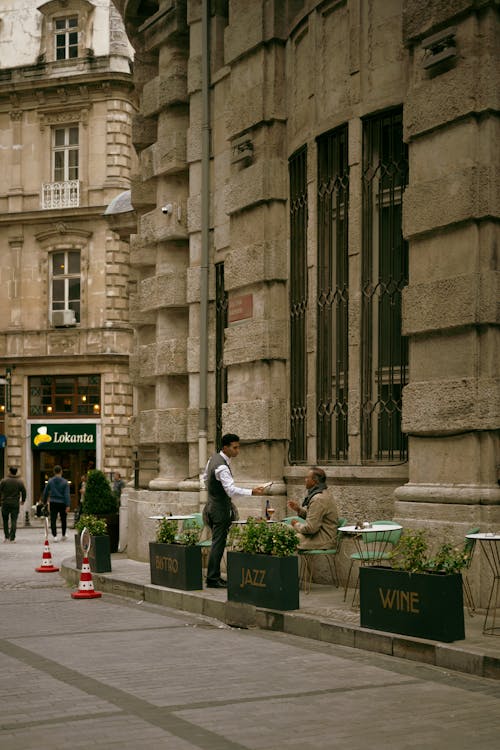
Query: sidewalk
(323, 616)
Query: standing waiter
(217, 513)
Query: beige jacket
(319, 530)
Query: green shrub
(95, 526)
(260, 537)
(168, 533)
(98, 499)
(411, 554)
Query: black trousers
(218, 518)
(55, 510)
(10, 511)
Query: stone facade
(66, 106)
(283, 77)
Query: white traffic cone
(46, 566)
(86, 585)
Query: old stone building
(317, 221)
(65, 154)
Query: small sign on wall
(240, 308)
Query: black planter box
(175, 566)
(113, 526)
(99, 554)
(263, 580)
(426, 605)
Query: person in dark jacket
(12, 490)
(217, 513)
(57, 493)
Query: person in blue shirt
(57, 493)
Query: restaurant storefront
(73, 445)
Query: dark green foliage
(261, 537)
(98, 499)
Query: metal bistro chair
(469, 547)
(307, 556)
(378, 545)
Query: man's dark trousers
(10, 509)
(55, 510)
(219, 520)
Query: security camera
(167, 208)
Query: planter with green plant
(175, 558)
(100, 501)
(420, 595)
(262, 565)
(99, 552)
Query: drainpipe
(205, 218)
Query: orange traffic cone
(46, 566)
(86, 586)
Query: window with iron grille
(298, 307)
(65, 281)
(220, 370)
(68, 395)
(384, 274)
(333, 297)
(66, 37)
(65, 153)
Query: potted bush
(175, 558)
(262, 567)
(100, 501)
(99, 553)
(420, 595)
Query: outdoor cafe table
(490, 545)
(381, 544)
(171, 518)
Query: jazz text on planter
(252, 577)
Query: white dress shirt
(224, 476)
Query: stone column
(451, 316)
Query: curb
(434, 653)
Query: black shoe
(220, 584)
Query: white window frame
(66, 148)
(66, 277)
(65, 33)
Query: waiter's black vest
(216, 493)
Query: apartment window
(65, 281)
(297, 452)
(65, 154)
(333, 296)
(66, 37)
(68, 395)
(384, 274)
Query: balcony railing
(61, 194)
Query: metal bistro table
(172, 518)
(381, 538)
(490, 545)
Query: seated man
(319, 530)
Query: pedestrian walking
(12, 492)
(118, 485)
(57, 493)
(217, 513)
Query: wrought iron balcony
(61, 194)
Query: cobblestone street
(113, 672)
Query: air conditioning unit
(61, 318)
